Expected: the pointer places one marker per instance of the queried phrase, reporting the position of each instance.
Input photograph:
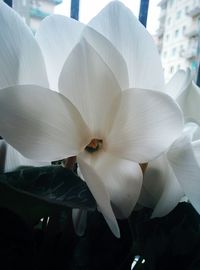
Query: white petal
(192, 131)
(13, 160)
(57, 35)
(41, 124)
(189, 103)
(179, 82)
(109, 54)
(196, 150)
(187, 95)
(186, 169)
(123, 30)
(100, 194)
(90, 85)
(21, 61)
(79, 218)
(122, 179)
(146, 124)
(161, 187)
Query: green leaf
(37, 192)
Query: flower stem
(69, 163)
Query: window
(176, 33)
(167, 37)
(164, 54)
(183, 29)
(171, 69)
(178, 14)
(169, 21)
(181, 49)
(171, 3)
(186, 10)
(174, 51)
(193, 65)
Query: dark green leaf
(33, 192)
(170, 242)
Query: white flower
(186, 93)
(109, 130)
(16, 64)
(174, 174)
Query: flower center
(94, 145)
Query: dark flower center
(94, 145)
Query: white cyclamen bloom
(94, 116)
(186, 93)
(174, 174)
(15, 65)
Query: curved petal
(41, 124)
(187, 95)
(186, 168)
(178, 84)
(196, 150)
(13, 160)
(123, 30)
(146, 124)
(57, 35)
(21, 61)
(192, 131)
(100, 194)
(90, 85)
(161, 187)
(109, 54)
(189, 103)
(122, 179)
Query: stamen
(143, 167)
(94, 145)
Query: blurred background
(174, 25)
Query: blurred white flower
(17, 66)
(109, 130)
(186, 93)
(174, 174)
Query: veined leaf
(37, 192)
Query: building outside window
(185, 36)
(33, 11)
